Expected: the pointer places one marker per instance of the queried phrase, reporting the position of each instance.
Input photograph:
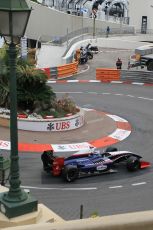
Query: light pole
(94, 23)
(14, 16)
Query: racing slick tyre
(47, 159)
(133, 164)
(70, 173)
(111, 149)
(150, 66)
(90, 56)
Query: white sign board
(5, 145)
(64, 124)
(24, 49)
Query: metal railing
(137, 76)
(58, 40)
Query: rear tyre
(133, 164)
(47, 159)
(150, 66)
(90, 56)
(70, 173)
(111, 149)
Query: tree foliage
(32, 91)
(33, 94)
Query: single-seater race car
(92, 162)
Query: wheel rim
(71, 175)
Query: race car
(92, 162)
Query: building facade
(141, 15)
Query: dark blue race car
(91, 163)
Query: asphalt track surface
(107, 194)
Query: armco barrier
(61, 71)
(105, 75)
(137, 76)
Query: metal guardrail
(137, 76)
(58, 40)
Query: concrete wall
(139, 8)
(51, 23)
(129, 221)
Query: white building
(141, 15)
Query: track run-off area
(106, 194)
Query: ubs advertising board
(53, 125)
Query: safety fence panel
(106, 75)
(67, 70)
(61, 71)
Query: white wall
(50, 22)
(139, 8)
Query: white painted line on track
(51, 81)
(94, 81)
(79, 189)
(120, 134)
(130, 95)
(119, 94)
(137, 83)
(141, 183)
(146, 98)
(61, 189)
(73, 81)
(119, 186)
(106, 93)
(116, 118)
(92, 92)
(117, 82)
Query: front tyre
(70, 173)
(133, 164)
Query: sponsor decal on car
(101, 167)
